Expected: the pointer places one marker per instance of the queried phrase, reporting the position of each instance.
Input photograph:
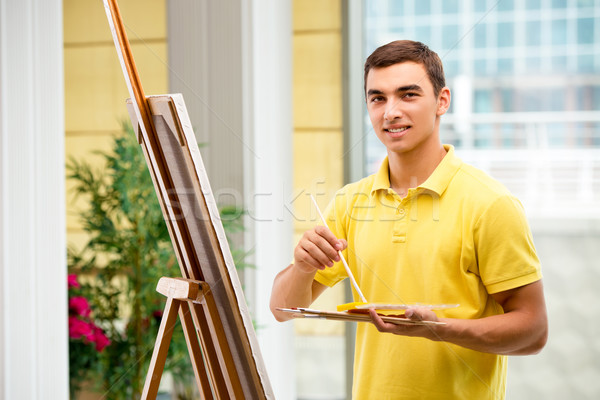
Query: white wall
(33, 302)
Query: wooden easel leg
(161, 348)
(191, 337)
(212, 356)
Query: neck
(409, 170)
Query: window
(423, 7)
(505, 34)
(449, 36)
(534, 32)
(450, 6)
(585, 63)
(585, 30)
(533, 67)
(480, 33)
(559, 31)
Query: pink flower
(78, 328)
(80, 306)
(100, 339)
(72, 281)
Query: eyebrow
(401, 89)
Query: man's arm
(521, 330)
(295, 286)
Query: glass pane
(422, 7)
(480, 67)
(423, 34)
(559, 64)
(451, 67)
(585, 30)
(532, 4)
(505, 5)
(505, 66)
(534, 33)
(449, 36)
(532, 65)
(450, 6)
(596, 98)
(480, 33)
(557, 100)
(483, 101)
(396, 8)
(559, 4)
(585, 63)
(585, 3)
(507, 96)
(481, 6)
(559, 31)
(505, 34)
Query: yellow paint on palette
(350, 306)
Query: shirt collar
(437, 182)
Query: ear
(443, 101)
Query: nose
(392, 111)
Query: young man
(426, 228)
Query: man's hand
(415, 314)
(522, 328)
(295, 286)
(317, 249)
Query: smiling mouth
(397, 130)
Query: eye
(410, 95)
(376, 99)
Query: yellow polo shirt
(457, 238)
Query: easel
(209, 299)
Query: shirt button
(401, 211)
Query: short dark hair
(401, 51)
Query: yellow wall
(95, 90)
(318, 138)
(95, 94)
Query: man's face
(402, 107)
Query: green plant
(128, 250)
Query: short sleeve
(506, 254)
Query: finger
(301, 257)
(317, 254)
(420, 314)
(342, 244)
(306, 262)
(326, 233)
(378, 322)
(323, 244)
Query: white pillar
(33, 301)
(462, 97)
(269, 76)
